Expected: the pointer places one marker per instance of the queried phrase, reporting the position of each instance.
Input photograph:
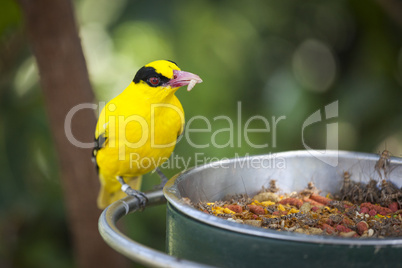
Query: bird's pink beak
(182, 78)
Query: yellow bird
(137, 130)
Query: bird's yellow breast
(141, 130)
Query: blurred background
(277, 58)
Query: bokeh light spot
(314, 66)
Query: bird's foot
(164, 180)
(142, 198)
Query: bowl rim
(171, 193)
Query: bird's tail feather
(110, 189)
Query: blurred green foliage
(277, 58)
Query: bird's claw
(142, 198)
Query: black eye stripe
(145, 73)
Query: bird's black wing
(99, 144)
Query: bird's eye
(154, 80)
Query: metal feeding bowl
(204, 239)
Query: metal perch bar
(129, 248)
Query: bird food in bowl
(288, 207)
(357, 210)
